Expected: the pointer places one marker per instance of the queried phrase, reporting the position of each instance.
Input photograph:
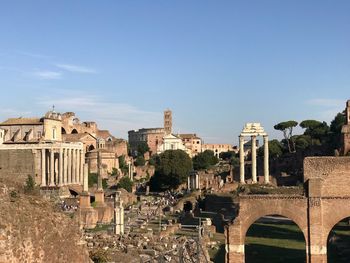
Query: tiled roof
(75, 137)
(22, 121)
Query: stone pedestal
(84, 200)
(100, 197)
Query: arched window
(63, 131)
(74, 131)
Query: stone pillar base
(99, 197)
(88, 217)
(84, 200)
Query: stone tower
(168, 122)
(346, 130)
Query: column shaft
(52, 168)
(43, 167)
(65, 167)
(82, 162)
(69, 164)
(266, 160)
(241, 159)
(254, 177)
(74, 171)
(60, 168)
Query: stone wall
(17, 165)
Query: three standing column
(241, 159)
(52, 168)
(254, 177)
(266, 160)
(60, 168)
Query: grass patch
(275, 242)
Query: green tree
(335, 135)
(30, 184)
(226, 155)
(125, 183)
(123, 166)
(204, 160)
(140, 161)
(172, 169)
(318, 131)
(287, 128)
(142, 148)
(275, 149)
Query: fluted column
(266, 159)
(52, 168)
(43, 167)
(77, 158)
(74, 166)
(82, 162)
(60, 168)
(69, 164)
(86, 178)
(254, 178)
(241, 159)
(65, 167)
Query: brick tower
(168, 122)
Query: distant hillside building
(172, 142)
(217, 148)
(192, 142)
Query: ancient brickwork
(327, 201)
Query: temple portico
(58, 164)
(253, 130)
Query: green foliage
(287, 128)
(172, 169)
(30, 184)
(318, 131)
(140, 161)
(142, 148)
(125, 183)
(275, 149)
(92, 179)
(335, 136)
(234, 161)
(123, 166)
(114, 171)
(204, 160)
(227, 155)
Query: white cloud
(117, 117)
(325, 102)
(47, 74)
(328, 108)
(76, 68)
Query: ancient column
(65, 167)
(74, 165)
(254, 178)
(69, 164)
(60, 168)
(241, 159)
(189, 182)
(197, 182)
(86, 178)
(266, 159)
(82, 162)
(43, 167)
(52, 168)
(118, 215)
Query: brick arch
(294, 209)
(337, 210)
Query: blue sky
(216, 64)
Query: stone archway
(254, 207)
(74, 131)
(338, 242)
(275, 239)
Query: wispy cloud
(47, 74)
(76, 68)
(328, 108)
(325, 102)
(119, 118)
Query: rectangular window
(39, 134)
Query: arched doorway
(338, 244)
(63, 131)
(74, 131)
(275, 239)
(90, 148)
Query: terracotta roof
(188, 136)
(104, 134)
(22, 121)
(75, 137)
